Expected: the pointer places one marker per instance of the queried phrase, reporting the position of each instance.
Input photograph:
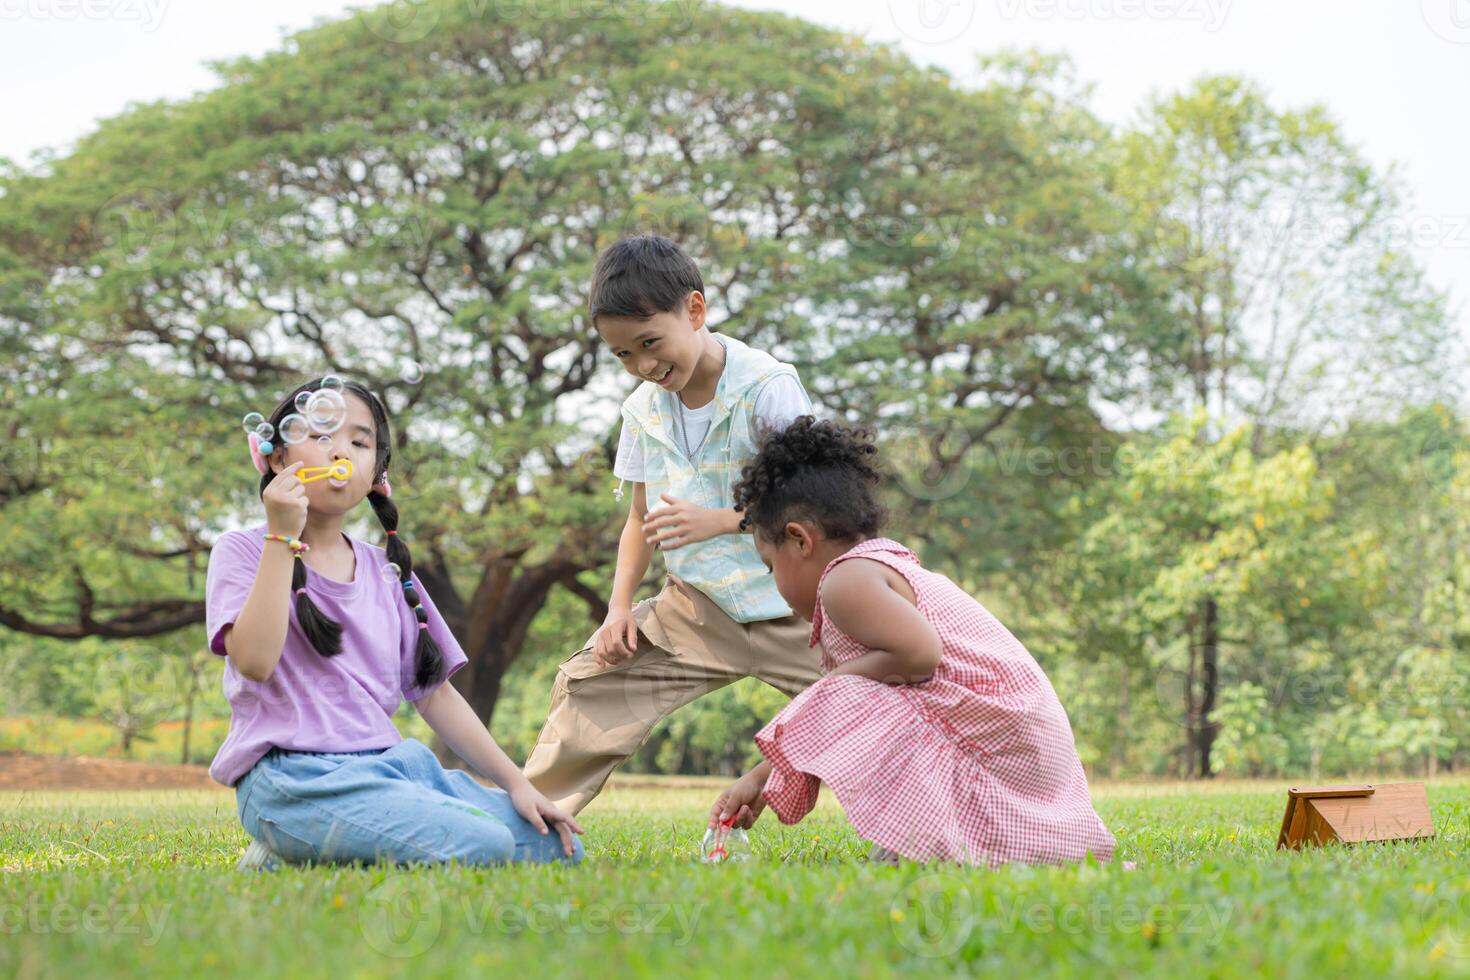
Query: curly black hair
(819, 472)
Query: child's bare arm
(743, 799)
(634, 551)
(874, 605)
(451, 716)
(447, 712)
(617, 640)
(257, 638)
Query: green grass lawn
(112, 884)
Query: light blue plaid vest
(726, 568)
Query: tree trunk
(1209, 681)
(1191, 712)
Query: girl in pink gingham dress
(941, 736)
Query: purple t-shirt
(311, 702)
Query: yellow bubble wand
(342, 470)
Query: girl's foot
(882, 855)
(258, 857)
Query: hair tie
(392, 532)
(384, 487)
(255, 455)
(423, 626)
(407, 583)
(301, 591)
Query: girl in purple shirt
(322, 636)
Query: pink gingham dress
(976, 764)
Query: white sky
(1395, 73)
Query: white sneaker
(258, 857)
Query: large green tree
(414, 196)
(1187, 521)
(1284, 253)
(1296, 305)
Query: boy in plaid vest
(688, 429)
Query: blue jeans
(394, 805)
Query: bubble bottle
(726, 842)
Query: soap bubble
(326, 410)
(302, 397)
(293, 430)
(266, 431)
(391, 572)
(412, 373)
(332, 383)
(325, 443)
(251, 420)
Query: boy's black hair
(641, 277)
(325, 635)
(814, 471)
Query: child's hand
(682, 523)
(617, 640)
(285, 503)
(539, 811)
(743, 799)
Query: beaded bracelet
(297, 547)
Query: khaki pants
(687, 647)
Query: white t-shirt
(780, 401)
